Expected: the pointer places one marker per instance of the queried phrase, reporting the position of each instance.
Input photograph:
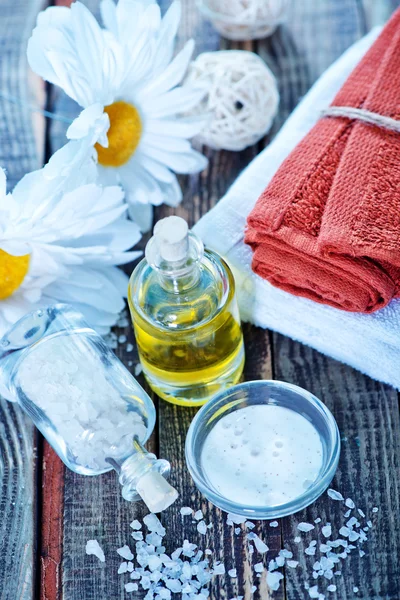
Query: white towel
(370, 343)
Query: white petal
(70, 50)
(171, 76)
(166, 37)
(172, 192)
(139, 185)
(3, 184)
(180, 127)
(117, 237)
(180, 162)
(142, 214)
(107, 175)
(155, 168)
(90, 120)
(179, 100)
(106, 296)
(108, 11)
(170, 144)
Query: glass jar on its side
(83, 400)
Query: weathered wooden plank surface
(368, 418)
(18, 464)
(316, 33)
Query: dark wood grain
(368, 418)
(315, 35)
(18, 155)
(317, 32)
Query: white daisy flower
(128, 72)
(61, 237)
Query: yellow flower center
(123, 135)
(13, 270)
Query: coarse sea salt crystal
(362, 513)
(347, 514)
(185, 511)
(154, 562)
(153, 539)
(123, 568)
(317, 520)
(313, 592)
(93, 547)
(136, 525)
(198, 515)
(153, 523)
(273, 580)
(249, 525)
(219, 569)
(351, 522)
(335, 495)
(310, 550)
(280, 561)
(137, 535)
(202, 527)
(355, 589)
(327, 530)
(274, 524)
(253, 589)
(259, 567)
(349, 503)
(375, 509)
(305, 527)
(297, 539)
(331, 588)
(125, 552)
(344, 531)
(237, 530)
(232, 573)
(174, 585)
(131, 587)
(292, 563)
(261, 547)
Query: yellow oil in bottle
(187, 330)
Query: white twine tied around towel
(360, 114)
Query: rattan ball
(244, 19)
(242, 98)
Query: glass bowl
(275, 393)
(240, 27)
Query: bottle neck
(142, 476)
(181, 281)
(178, 271)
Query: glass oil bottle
(185, 317)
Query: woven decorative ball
(244, 19)
(242, 98)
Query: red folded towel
(328, 225)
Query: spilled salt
(335, 495)
(93, 547)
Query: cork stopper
(172, 238)
(155, 491)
